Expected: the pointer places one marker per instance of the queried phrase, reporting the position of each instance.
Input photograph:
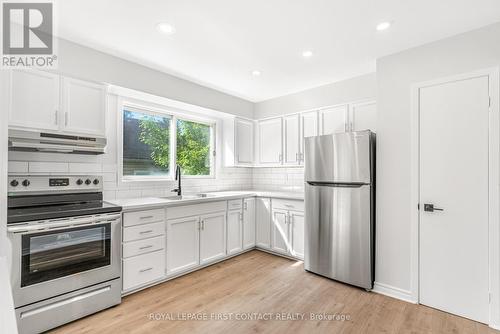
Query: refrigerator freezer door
(338, 236)
(339, 158)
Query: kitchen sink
(187, 197)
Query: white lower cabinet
(249, 223)
(143, 269)
(297, 233)
(183, 242)
(212, 237)
(234, 231)
(280, 231)
(263, 222)
(288, 228)
(143, 248)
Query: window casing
(164, 139)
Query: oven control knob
(96, 182)
(88, 182)
(14, 183)
(79, 182)
(26, 183)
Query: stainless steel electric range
(66, 249)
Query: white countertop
(131, 204)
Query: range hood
(37, 141)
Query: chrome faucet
(178, 179)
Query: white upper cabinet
(243, 138)
(291, 139)
(309, 127)
(363, 116)
(83, 105)
(333, 120)
(34, 101)
(270, 141)
(49, 102)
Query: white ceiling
(218, 43)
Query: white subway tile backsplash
(85, 168)
(47, 167)
(20, 167)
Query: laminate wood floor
(255, 282)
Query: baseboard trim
(394, 292)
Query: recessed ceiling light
(383, 26)
(256, 73)
(165, 28)
(307, 54)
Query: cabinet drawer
(143, 217)
(234, 204)
(143, 231)
(143, 269)
(139, 247)
(286, 204)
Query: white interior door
(454, 177)
(212, 237)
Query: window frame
(174, 114)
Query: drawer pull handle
(144, 232)
(146, 217)
(146, 247)
(147, 269)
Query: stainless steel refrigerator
(340, 207)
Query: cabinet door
(363, 116)
(183, 251)
(270, 141)
(248, 223)
(84, 106)
(280, 233)
(309, 127)
(297, 234)
(234, 231)
(212, 237)
(291, 139)
(263, 222)
(243, 141)
(34, 100)
(333, 120)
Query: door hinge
(213, 153)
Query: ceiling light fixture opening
(383, 26)
(307, 54)
(165, 28)
(256, 73)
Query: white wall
(395, 74)
(86, 63)
(350, 90)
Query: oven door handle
(64, 225)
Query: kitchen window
(155, 141)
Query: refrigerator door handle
(338, 184)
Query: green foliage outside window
(193, 147)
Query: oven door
(64, 256)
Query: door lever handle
(431, 208)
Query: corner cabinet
(248, 223)
(49, 102)
(238, 142)
(263, 222)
